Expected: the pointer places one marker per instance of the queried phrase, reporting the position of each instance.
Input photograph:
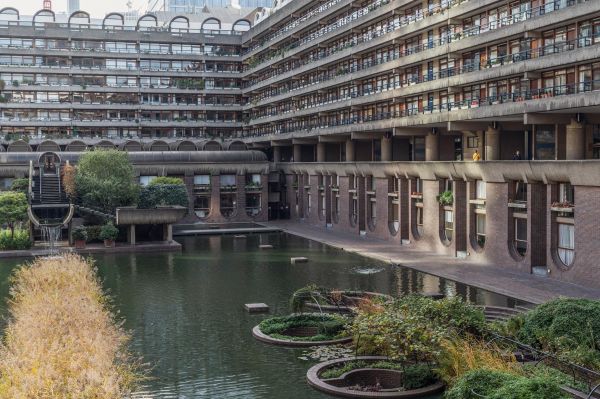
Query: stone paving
(523, 286)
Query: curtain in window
(566, 243)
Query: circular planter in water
(342, 301)
(302, 330)
(366, 382)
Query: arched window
(241, 25)
(211, 24)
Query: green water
(185, 309)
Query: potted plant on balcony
(109, 234)
(445, 198)
(80, 236)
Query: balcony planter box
(562, 209)
(517, 205)
(416, 196)
(477, 201)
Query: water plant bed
(302, 330)
(373, 377)
(334, 301)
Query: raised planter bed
(294, 334)
(348, 301)
(366, 382)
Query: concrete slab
(239, 236)
(299, 259)
(265, 246)
(256, 307)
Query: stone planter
(109, 243)
(79, 244)
(390, 381)
(297, 332)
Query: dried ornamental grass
(61, 340)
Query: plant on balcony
(416, 193)
(446, 198)
(562, 204)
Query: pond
(185, 309)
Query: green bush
(166, 180)
(415, 375)
(530, 388)
(329, 326)
(109, 232)
(105, 180)
(566, 326)
(20, 240)
(155, 195)
(478, 383)
(419, 376)
(446, 198)
(80, 233)
(93, 233)
(20, 185)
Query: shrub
(61, 340)
(80, 233)
(530, 388)
(479, 383)
(166, 180)
(108, 232)
(445, 198)
(18, 241)
(105, 180)
(152, 196)
(13, 209)
(568, 327)
(93, 233)
(418, 376)
(20, 185)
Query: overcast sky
(97, 8)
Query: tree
(20, 185)
(13, 209)
(105, 180)
(68, 180)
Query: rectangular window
(480, 189)
(566, 243)
(227, 180)
(545, 142)
(202, 180)
(449, 224)
(472, 142)
(145, 180)
(521, 236)
(480, 229)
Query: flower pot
(79, 244)
(109, 243)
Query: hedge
(155, 195)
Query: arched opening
(49, 163)
(446, 211)
(79, 18)
(237, 146)
(179, 23)
(371, 202)
(131, 146)
(104, 145)
(9, 14)
(563, 224)
(158, 145)
(211, 145)
(113, 19)
(43, 16)
(184, 145)
(353, 199)
(393, 205)
(76, 146)
(147, 22)
(48, 145)
(211, 24)
(416, 208)
(19, 146)
(241, 25)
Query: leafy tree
(166, 180)
(20, 185)
(68, 180)
(13, 209)
(105, 180)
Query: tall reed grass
(61, 339)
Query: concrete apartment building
(369, 113)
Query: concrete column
(297, 153)
(131, 235)
(276, 154)
(432, 147)
(386, 149)
(575, 140)
(168, 232)
(349, 150)
(492, 144)
(320, 152)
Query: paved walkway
(523, 286)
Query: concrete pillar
(349, 150)
(320, 152)
(276, 154)
(386, 149)
(575, 140)
(492, 144)
(432, 147)
(131, 235)
(297, 153)
(168, 232)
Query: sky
(97, 8)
